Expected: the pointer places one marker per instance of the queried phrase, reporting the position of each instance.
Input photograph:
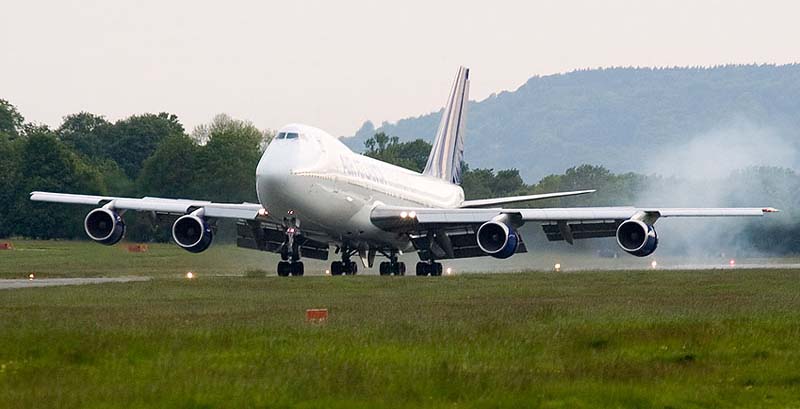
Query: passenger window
(291, 135)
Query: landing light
(190, 275)
(31, 276)
(412, 214)
(557, 267)
(403, 214)
(653, 264)
(327, 272)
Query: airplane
(315, 194)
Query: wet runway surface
(50, 282)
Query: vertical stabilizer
(444, 161)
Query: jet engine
(637, 238)
(497, 239)
(192, 233)
(104, 226)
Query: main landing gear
(429, 268)
(392, 267)
(346, 266)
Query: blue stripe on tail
(444, 161)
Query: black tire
(298, 269)
(283, 268)
(437, 269)
(422, 269)
(384, 268)
(353, 270)
(336, 268)
(401, 269)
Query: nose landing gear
(290, 263)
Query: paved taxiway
(50, 282)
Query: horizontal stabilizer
(517, 199)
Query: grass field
(723, 338)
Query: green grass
(725, 338)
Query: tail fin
(444, 161)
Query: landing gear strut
(346, 266)
(392, 267)
(290, 263)
(431, 268)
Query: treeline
(153, 155)
(608, 116)
(142, 155)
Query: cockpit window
(291, 135)
(281, 135)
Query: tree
(134, 139)
(228, 160)
(9, 184)
(84, 132)
(11, 120)
(47, 164)
(410, 155)
(172, 169)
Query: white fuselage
(331, 190)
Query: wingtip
(770, 210)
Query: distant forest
(623, 118)
(587, 125)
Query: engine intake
(104, 226)
(637, 238)
(192, 233)
(497, 239)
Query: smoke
(716, 154)
(741, 164)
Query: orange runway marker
(137, 248)
(317, 315)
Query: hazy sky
(335, 64)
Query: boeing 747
(316, 195)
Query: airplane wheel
(353, 270)
(297, 268)
(422, 269)
(436, 269)
(336, 268)
(284, 268)
(401, 269)
(384, 268)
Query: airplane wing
(451, 233)
(248, 211)
(517, 199)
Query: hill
(625, 118)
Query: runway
(51, 282)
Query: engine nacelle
(497, 239)
(104, 226)
(637, 238)
(192, 233)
